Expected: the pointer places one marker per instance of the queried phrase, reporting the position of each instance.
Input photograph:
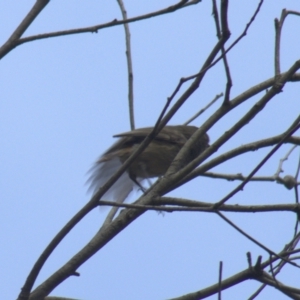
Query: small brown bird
(154, 161)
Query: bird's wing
(167, 134)
(101, 172)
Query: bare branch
(240, 176)
(194, 86)
(85, 210)
(14, 39)
(254, 240)
(202, 110)
(230, 47)
(129, 65)
(287, 251)
(291, 292)
(224, 57)
(278, 29)
(30, 280)
(172, 179)
(177, 175)
(220, 280)
(94, 29)
(226, 283)
(255, 273)
(238, 151)
(191, 205)
(295, 126)
(282, 160)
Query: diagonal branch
(295, 126)
(14, 39)
(172, 177)
(218, 115)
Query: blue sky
(64, 98)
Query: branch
(278, 29)
(129, 65)
(245, 234)
(202, 110)
(107, 233)
(192, 205)
(282, 160)
(200, 171)
(251, 273)
(288, 250)
(224, 57)
(14, 39)
(83, 212)
(176, 164)
(171, 179)
(231, 46)
(213, 289)
(94, 29)
(295, 126)
(291, 292)
(241, 177)
(31, 278)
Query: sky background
(62, 100)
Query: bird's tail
(102, 171)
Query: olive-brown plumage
(154, 161)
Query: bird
(154, 161)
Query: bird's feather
(101, 172)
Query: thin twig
(200, 171)
(249, 259)
(129, 65)
(254, 240)
(220, 280)
(194, 86)
(297, 196)
(282, 160)
(247, 274)
(297, 216)
(193, 205)
(298, 169)
(273, 271)
(202, 110)
(257, 292)
(110, 216)
(114, 210)
(278, 30)
(278, 26)
(241, 177)
(294, 127)
(224, 56)
(296, 178)
(244, 33)
(287, 250)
